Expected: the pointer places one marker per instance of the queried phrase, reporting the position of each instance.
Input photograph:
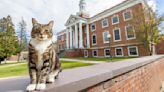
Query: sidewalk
(83, 61)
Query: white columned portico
(67, 36)
(81, 35)
(87, 33)
(76, 36)
(70, 29)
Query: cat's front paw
(50, 80)
(41, 86)
(31, 87)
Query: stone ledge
(74, 80)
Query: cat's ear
(51, 23)
(34, 21)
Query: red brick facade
(124, 43)
(160, 47)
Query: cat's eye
(46, 30)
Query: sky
(57, 10)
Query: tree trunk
(19, 57)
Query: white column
(70, 37)
(76, 36)
(81, 36)
(88, 40)
(67, 36)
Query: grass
(105, 59)
(20, 69)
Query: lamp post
(109, 36)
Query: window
(94, 40)
(62, 37)
(95, 53)
(93, 27)
(130, 33)
(105, 37)
(104, 23)
(133, 51)
(117, 36)
(106, 52)
(127, 15)
(118, 52)
(85, 53)
(115, 19)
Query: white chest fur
(40, 46)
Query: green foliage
(8, 40)
(22, 35)
(146, 24)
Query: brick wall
(160, 47)
(144, 79)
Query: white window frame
(136, 50)
(104, 36)
(130, 13)
(127, 33)
(87, 53)
(93, 53)
(92, 40)
(114, 34)
(105, 53)
(92, 25)
(121, 52)
(117, 18)
(102, 21)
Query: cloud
(46, 10)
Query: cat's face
(41, 32)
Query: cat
(44, 65)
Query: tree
(8, 39)
(22, 37)
(146, 24)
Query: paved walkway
(83, 61)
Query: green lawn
(20, 69)
(105, 59)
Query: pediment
(72, 19)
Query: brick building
(107, 32)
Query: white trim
(92, 39)
(91, 27)
(126, 33)
(105, 53)
(114, 34)
(93, 53)
(104, 38)
(136, 50)
(117, 18)
(130, 14)
(102, 21)
(116, 9)
(87, 53)
(121, 52)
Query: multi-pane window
(95, 53)
(115, 19)
(118, 52)
(130, 32)
(105, 37)
(93, 27)
(104, 23)
(106, 52)
(133, 51)
(94, 40)
(117, 36)
(127, 15)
